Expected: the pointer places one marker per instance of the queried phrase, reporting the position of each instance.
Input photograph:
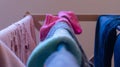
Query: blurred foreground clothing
(8, 58)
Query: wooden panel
(87, 17)
(80, 17)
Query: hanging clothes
(8, 58)
(59, 33)
(67, 16)
(20, 37)
(105, 39)
(64, 25)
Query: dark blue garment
(105, 38)
(117, 52)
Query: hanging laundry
(50, 20)
(8, 58)
(59, 33)
(20, 37)
(105, 39)
(64, 25)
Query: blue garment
(61, 58)
(105, 39)
(117, 52)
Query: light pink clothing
(20, 37)
(8, 58)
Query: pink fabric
(72, 19)
(67, 16)
(20, 37)
(8, 58)
(48, 23)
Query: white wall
(13, 10)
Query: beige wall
(13, 10)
